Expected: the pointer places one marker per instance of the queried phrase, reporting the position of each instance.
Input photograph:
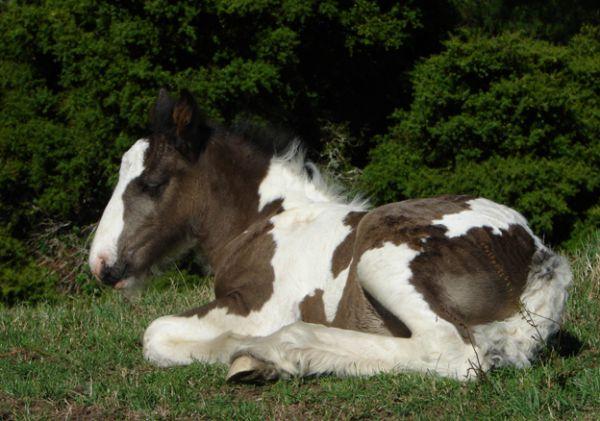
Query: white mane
(288, 179)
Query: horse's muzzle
(113, 274)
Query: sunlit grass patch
(81, 357)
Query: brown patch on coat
(406, 222)
(476, 278)
(356, 309)
(236, 237)
(271, 209)
(230, 172)
(391, 322)
(468, 280)
(342, 255)
(244, 276)
(356, 312)
(312, 308)
(244, 272)
(204, 310)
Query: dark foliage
(508, 118)
(78, 78)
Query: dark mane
(266, 138)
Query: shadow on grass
(565, 344)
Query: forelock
(133, 160)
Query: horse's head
(146, 219)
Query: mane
(288, 151)
(268, 139)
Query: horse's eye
(153, 187)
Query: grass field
(81, 358)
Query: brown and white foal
(307, 283)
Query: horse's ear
(190, 125)
(185, 114)
(161, 114)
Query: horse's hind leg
(302, 349)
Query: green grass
(81, 358)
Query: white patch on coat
(104, 246)
(332, 294)
(305, 240)
(309, 230)
(516, 340)
(483, 213)
(288, 179)
(176, 340)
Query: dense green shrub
(553, 20)
(506, 117)
(77, 78)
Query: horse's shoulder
(249, 251)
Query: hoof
(247, 369)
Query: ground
(81, 358)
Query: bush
(551, 20)
(78, 77)
(507, 117)
(27, 283)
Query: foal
(308, 283)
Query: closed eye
(153, 187)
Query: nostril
(105, 274)
(112, 274)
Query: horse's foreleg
(207, 334)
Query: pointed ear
(190, 126)
(161, 114)
(185, 115)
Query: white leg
(210, 336)
(175, 340)
(305, 349)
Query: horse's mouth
(130, 283)
(125, 283)
(131, 288)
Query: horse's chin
(131, 287)
(127, 283)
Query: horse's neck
(243, 186)
(229, 175)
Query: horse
(309, 282)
